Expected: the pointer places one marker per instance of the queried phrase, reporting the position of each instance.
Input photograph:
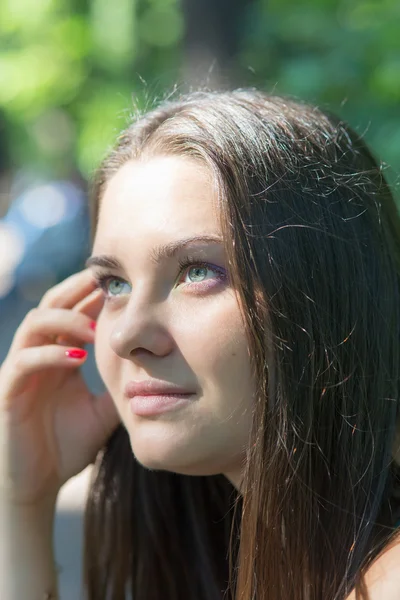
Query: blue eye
(201, 275)
(197, 275)
(112, 287)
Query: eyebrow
(158, 254)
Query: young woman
(245, 284)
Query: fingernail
(93, 325)
(76, 353)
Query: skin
(159, 323)
(383, 576)
(52, 426)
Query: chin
(166, 461)
(172, 457)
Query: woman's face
(179, 325)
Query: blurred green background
(73, 71)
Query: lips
(154, 387)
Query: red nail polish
(76, 353)
(93, 325)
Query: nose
(141, 329)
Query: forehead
(168, 196)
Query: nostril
(141, 352)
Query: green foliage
(343, 55)
(72, 71)
(70, 76)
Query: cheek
(228, 347)
(229, 356)
(214, 343)
(104, 356)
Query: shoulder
(383, 576)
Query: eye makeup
(186, 263)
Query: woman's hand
(51, 425)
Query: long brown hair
(311, 234)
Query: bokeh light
(12, 248)
(44, 206)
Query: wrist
(26, 551)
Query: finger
(70, 291)
(16, 374)
(43, 326)
(92, 305)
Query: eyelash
(189, 261)
(184, 264)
